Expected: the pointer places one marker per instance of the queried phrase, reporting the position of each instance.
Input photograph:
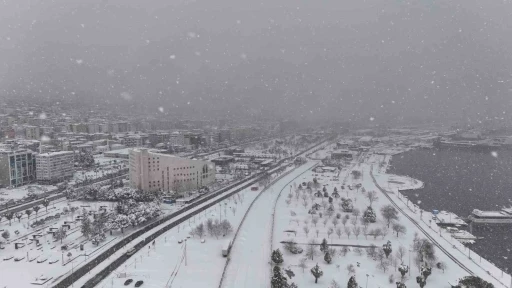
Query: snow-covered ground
(19, 274)
(292, 217)
(205, 258)
(249, 264)
(17, 193)
(480, 266)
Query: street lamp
(367, 275)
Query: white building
(54, 166)
(153, 171)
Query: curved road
(250, 255)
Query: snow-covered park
(376, 246)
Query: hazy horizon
(383, 60)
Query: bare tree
(324, 204)
(356, 212)
(383, 265)
(334, 284)
(344, 221)
(311, 250)
(389, 213)
(385, 231)
(225, 227)
(339, 232)
(329, 232)
(348, 232)
(356, 230)
(400, 253)
(353, 221)
(365, 232)
(376, 233)
(306, 230)
(399, 228)
(314, 220)
(302, 264)
(372, 197)
(335, 221)
(317, 231)
(325, 221)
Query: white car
(131, 251)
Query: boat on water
(504, 216)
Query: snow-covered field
(17, 193)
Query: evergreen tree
(278, 279)
(277, 257)
(86, 228)
(352, 283)
(387, 248)
(421, 281)
(327, 257)
(323, 246)
(474, 281)
(426, 271)
(317, 272)
(369, 215)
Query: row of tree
(11, 215)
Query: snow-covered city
(255, 144)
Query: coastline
(491, 269)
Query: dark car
(139, 283)
(128, 282)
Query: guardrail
(80, 272)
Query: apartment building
(54, 166)
(153, 171)
(17, 167)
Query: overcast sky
(386, 60)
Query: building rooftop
(49, 154)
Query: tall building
(17, 167)
(55, 166)
(152, 171)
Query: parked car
(139, 283)
(128, 282)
